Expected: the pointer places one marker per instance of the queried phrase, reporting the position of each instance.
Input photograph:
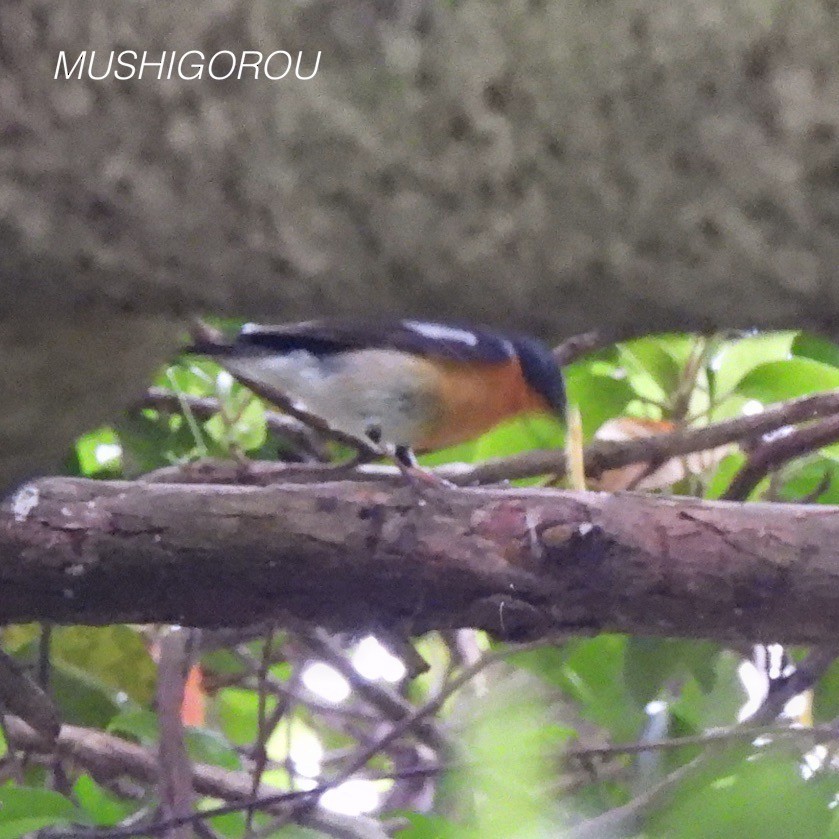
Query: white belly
(353, 392)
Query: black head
(541, 372)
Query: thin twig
(574, 348)
(775, 453)
(263, 731)
(744, 732)
(428, 708)
(288, 429)
(603, 455)
(307, 799)
(385, 700)
(627, 819)
(600, 456)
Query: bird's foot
(420, 479)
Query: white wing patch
(438, 331)
(283, 328)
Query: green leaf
(801, 480)
(24, 810)
(506, 776)
(545, 662)
(649, 662)
(831, 453)
(153, 441)
(115, 655)
(248, 431)
(195, 376)
(817, 348)
(26, 826)
(422, 826)
(209, 747)
(238, 711)
(826, 695)
(778, 380)
(203, 746)
(737, 358)
(598, 397)
(461, 453)
(766, 796)
(593, 675)
(518, 435)
(728, 467)
(98, 451)
(700, 660)
(707, 700)
(100, 806)
(222, 662)
(233, 824)
(139, 723)
(653, 372)
(81, 698)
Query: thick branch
(523, 563)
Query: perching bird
(414, 385)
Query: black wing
(428, 338)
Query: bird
(410, 385)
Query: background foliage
(518, 750)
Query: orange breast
(475, 397)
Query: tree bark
(519, 563)
(547, 166)
(667, 167)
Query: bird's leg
(418, 477)
(405, 456)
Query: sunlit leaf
(115, 655)
(775, 381)
(599, 398)
(98, 451)
(238, 713)
(518, 435)
(653, 371)
(735, 359)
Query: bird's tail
(217, 349)
(207, 340)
